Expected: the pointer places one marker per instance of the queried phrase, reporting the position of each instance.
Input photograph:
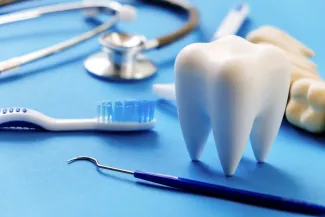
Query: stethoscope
(122, 54)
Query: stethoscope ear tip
(127, 13)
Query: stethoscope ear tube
(7, 2)
(15, 62)
(190, 25)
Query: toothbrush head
(128, 111)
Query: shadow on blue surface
(259, 171)
(140, 138)
(115, 176)
(295, 131)
(167, 107)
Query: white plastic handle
(164, 91)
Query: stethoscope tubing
(112, 6)
(34, 13)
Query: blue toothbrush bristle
(118, 112)
(129, 111)
(144, 111)
(151, 110)
(108, 111)
(126, 111)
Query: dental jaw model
(297, 52)
(236, 88)
(306, 107)
(306, 104)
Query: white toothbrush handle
(164, 91)
(72, 124)
(95, 124)
(31, 118)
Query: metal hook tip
(94, 161)
(91, 159)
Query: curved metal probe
(95, 161)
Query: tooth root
(231, 128)
(268, 120)
(231, 140)
(264, 132)
(194, 120)
(195, 128)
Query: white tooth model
(306, 104)
(236, 88)
(230, 25)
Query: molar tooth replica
(297, 52)
(279, 38)
(306, 107)
(236, 88)
(306, 102)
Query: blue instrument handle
(248, 197)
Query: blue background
(35, 180)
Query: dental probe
(243, 196)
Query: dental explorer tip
(93, 160)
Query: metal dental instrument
(120, 12)
(122, 56)
(248, 197)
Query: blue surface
(35, 180)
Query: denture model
(306, 107)
(306, 103)
(236, 88)
(297, 52)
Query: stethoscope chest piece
(120, 58)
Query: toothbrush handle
(73, 124)
(93, 124)
(248, 197)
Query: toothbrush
(128, 115)
(229, 26)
